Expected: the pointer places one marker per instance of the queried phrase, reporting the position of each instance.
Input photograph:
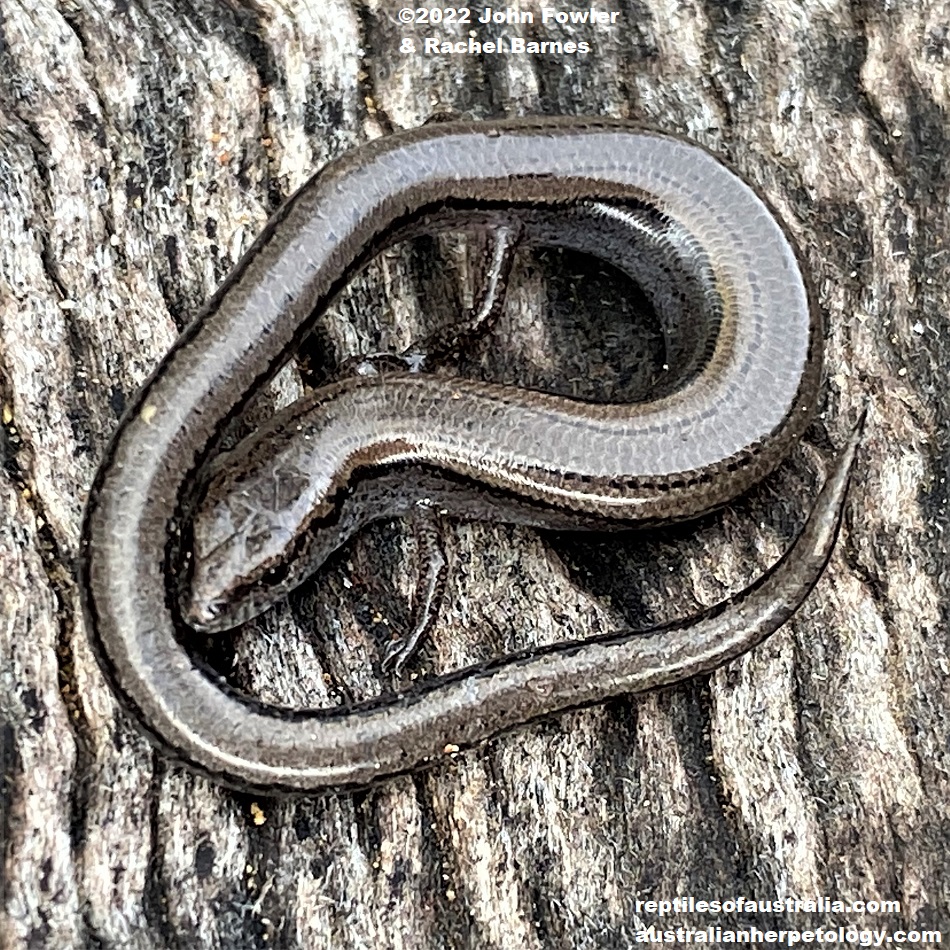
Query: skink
(746, 402)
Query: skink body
(731, 422)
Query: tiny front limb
(432, 572)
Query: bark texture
(143, 145)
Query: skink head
(245, 534)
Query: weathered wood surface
(142, 146)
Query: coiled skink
(686, 452)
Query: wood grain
(142, 147)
